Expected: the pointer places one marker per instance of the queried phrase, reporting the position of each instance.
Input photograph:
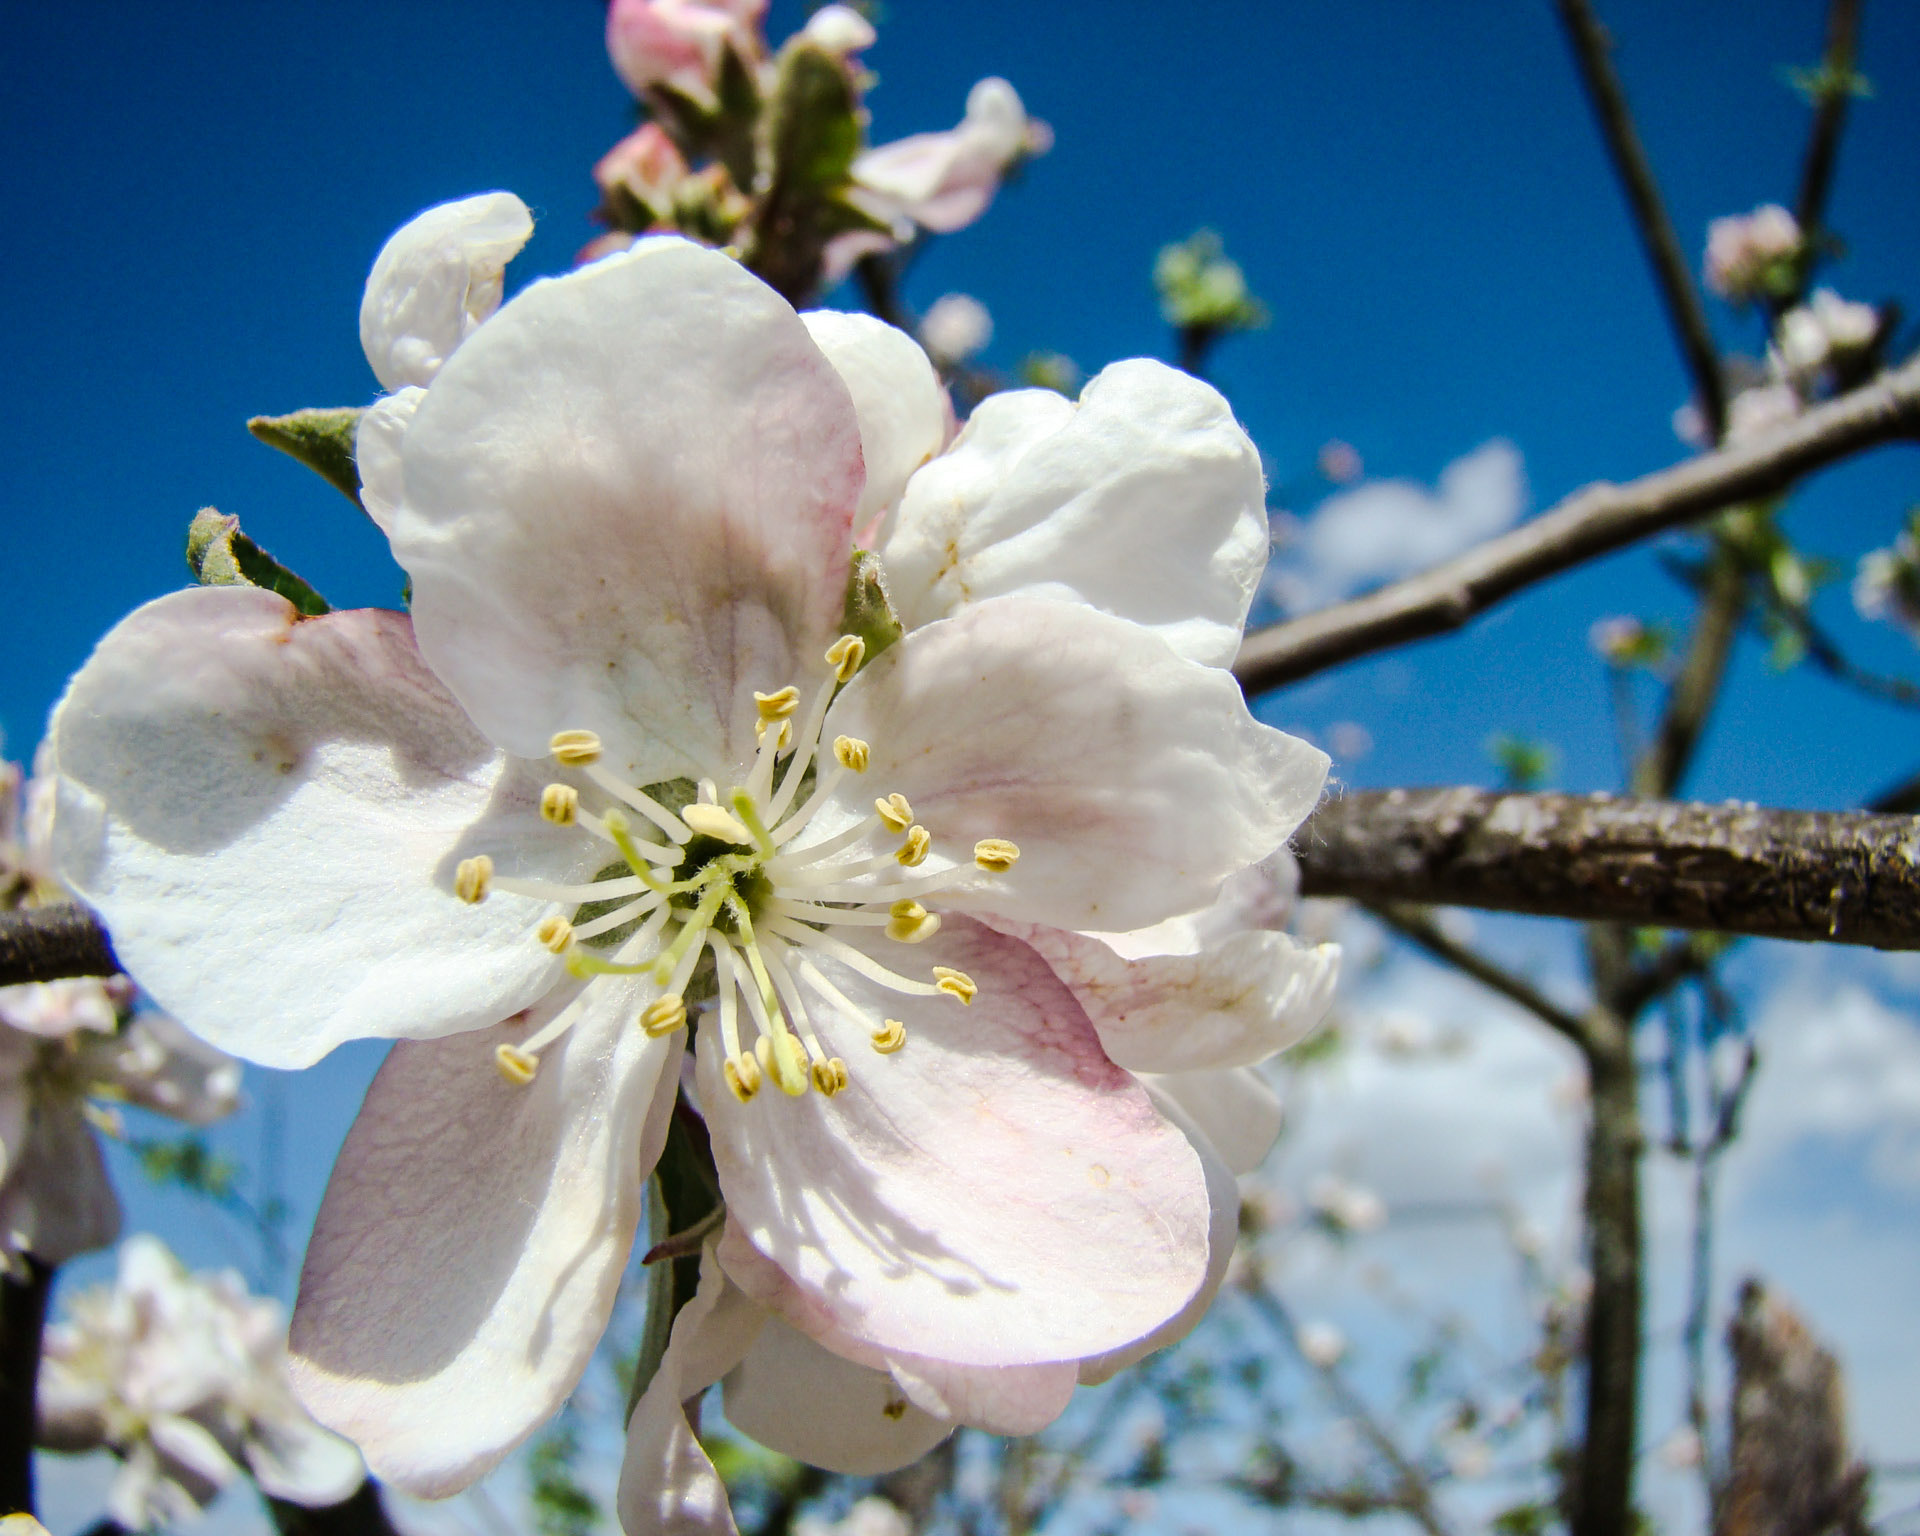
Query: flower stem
(23, 1312)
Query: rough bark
(47, 943)
(1840, 877)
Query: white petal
(1001, 1399)
(435, 280)
(995, 1193)
(1132, 780)
(905, 415)
(156, 1064)
(376, 453)
(628, 503)
(293, 1458)
(473, 1237)
(193, 1449)
(668, 1487)
(1236, 1109)
(57, 1201)
(1146, 500)
(268, 812)
(798, 1398)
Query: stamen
(954, 983)
(830, 1076)
(780, 743)
(515, 1065)
(778, 706)
(750, 819)
(472, 878)
(638, 855)
(805, 877)
(606, 922)
(835, 884)
(995, 854)
(910, 923)
(894, 812)
(663, 1015)
(799, 819)
(560, 804)
(796, 1005)
(803, 749)
(743, 1076)
(784, 1059)
(729, 1001)
(887, 1041)
(852, 752)
(711, 821)
(832, 917)
(597, 890)
(641, 801)
(845, 656)
(692, 931)
(575, 748)
(556, 933)
(914, 850)
(847, 955)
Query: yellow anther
(915, 849)
(894, 812)
(784, 1059)
(909, 922)
(851, 752)
(663, 1015)
(887, 1041)
(516, 1066)
(556, 933)
(560, 804)
(712, 821)
(742, 1073)
(839, 1074)
(845, 656)
(778, 706)
(954, 983)
(995, 854)
(830, 1076)
(760, 728)
(575, 748)
(471, 879)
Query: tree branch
(1417, 925)
(1829, 117)
(1591, 522)
(23, 1314)
(1592, 51)
(47, 943)
(1843, 877)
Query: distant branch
(1593, 521)
(1829, 115)
(47, 943)
(1417, 925)
(1842, 877)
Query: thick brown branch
(46, 943)
(1844, 877)
(1592, 51)
(1591, 522)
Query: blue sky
(1417, 191)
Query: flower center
(729, 890)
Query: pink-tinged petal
(1132, 780)
(668, 1486)
(437, 277)
(1223, 1230)
(804, 1401)
(1235, 1108)
(376, 453)
(268, 813)
(56, 1201)
(55, 1010)
(905, 415)
(995, 1193)
(1146, 500)
(473, 1236)
(944, 181)
(629, 501)
(1001, 1399)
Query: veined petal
(628, 503)
(376, 453)
(905, 415)
(437, 277)
(801, 1399)
(1146, 500)
(994, 1193)
(268, 812)
(472, 1239)
(1132, 780)
(1235, 1108)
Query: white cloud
(1386, 529)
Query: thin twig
(1592, 51)
(1417, 925)
(1594, 521)
(1829, 117)
(23, 1317)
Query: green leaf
(320, 439)
(561, 1504)
(220, 555)
(812, 130)
(868, 613)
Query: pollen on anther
(851, 752)
(556, 933)
(742, 1073)
(918, 844)
(785, 739)
(830, 1076)
(954, 983)
(560, 804)
(894, 812)
(887, 1041)
(575, 748)
(663, 1015)
(777, 706)
(516, 1066)
(712, 821)
(845, 656)
(909, 923)
(471, 879)
(995, 855)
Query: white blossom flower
(955, 326)
(679, 43)
(944, 181)
(1751, 254)
(1323, 1344)
(615, 783)
(1346, 1207)
(183, 1377)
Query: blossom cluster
(1755, 255)
(940, 887)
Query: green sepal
(868, 614)
(813, 131)
(683, 1193)
(220, 555)
(320, 439)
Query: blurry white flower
(839, 29)
(1753, 413)
(1887, 583)
(1751, 254)
(1340, 462)
(1468, 1456)
(955, 326)
(1681, 1449)
(1402, 1032)
(1346, 1207)
(1824, 330)
(1323, 1344)
(1349, 740)
(183, 1377)
(1617, 638)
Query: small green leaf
(868, 613)
(320, 439)
(1523, 764)
(220, 555)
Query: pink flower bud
(679, 43)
